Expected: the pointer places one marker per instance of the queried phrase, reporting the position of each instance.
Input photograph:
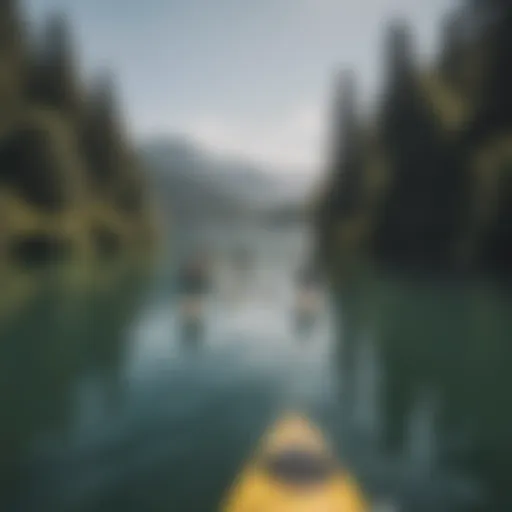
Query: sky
(250, 78)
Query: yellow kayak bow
(294, 470)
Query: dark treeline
(70, 182)
(428, 185)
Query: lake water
(105, 408)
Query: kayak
(191, 307)
(294, 470)
(308, 301)
(191, 317)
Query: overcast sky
(247, 77)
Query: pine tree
(453, 49)
(493, 120)
(400, 95)
(342, 195)
(347, 165)
(400, 57)
(344, 118)
(492, 23)
(11, 29)
(53, 80)
(12, 54)
(112, 163)
(101, 133)
(418, 221)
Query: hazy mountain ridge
(193, 182)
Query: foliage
(440, 141)
(67, 169)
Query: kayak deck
(294, 470)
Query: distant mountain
(193, 183)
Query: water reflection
(109, 409)
(425, 367)
(53, 340)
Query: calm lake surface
(105, 408)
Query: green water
(106, 409)
(444, 355)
